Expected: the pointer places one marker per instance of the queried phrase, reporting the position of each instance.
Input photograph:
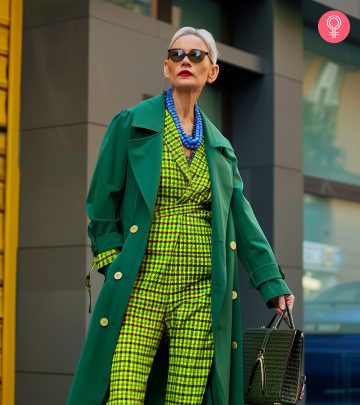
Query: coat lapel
(221, 185)
(221, 177)
(145, 147)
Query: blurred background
(288, 101)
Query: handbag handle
(275, 323)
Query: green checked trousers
(171, 297)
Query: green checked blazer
(120, 205)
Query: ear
(213, 73)
(166, 69)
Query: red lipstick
(185, 73)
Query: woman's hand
(280, 302)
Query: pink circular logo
(334, 26)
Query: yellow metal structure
(10, 68)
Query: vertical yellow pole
(11, 215)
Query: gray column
(268, 140)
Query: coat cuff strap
(266, 273)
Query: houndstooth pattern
(171, 297)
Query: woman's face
(187, 75)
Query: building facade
(285, 99)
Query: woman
(168, 220)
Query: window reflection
(331, 265)
(138, 6)
(331, 100)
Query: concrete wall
(349, 7)
(52, 244)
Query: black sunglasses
(195, 55)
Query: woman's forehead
(188, 42)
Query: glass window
(138, 6)
(331, 100)
(331, 265)
(199, 14)
(332, 300)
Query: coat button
(234, 345)
(134, 229)
(118, 275)
(104, 322)
(233, 245)
(234, 295)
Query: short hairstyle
(206, 36)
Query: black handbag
(273, 363)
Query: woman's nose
(186, 61)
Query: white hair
(206, 36)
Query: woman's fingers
(281, 301)
(280, 304)
(290, 299)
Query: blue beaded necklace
(191, 142)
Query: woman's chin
(186, 85)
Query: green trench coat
(122, 194)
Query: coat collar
(150, 114)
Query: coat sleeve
(107, 186)
(254, 249)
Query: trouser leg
(140, 335)
(191, 346)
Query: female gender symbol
(333, 32)
(337, 22)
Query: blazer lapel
(173, 142)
